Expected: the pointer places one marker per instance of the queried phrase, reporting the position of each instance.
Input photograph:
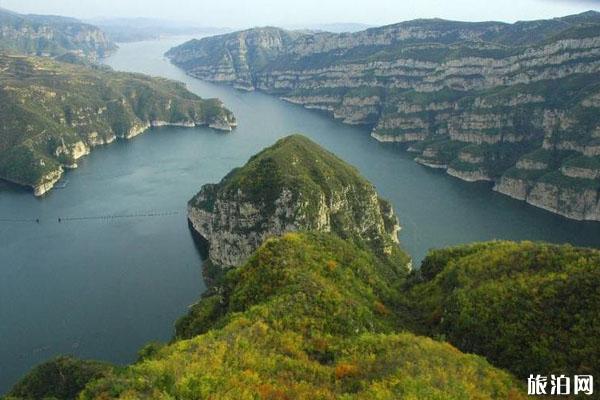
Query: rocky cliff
(54, 113)
(46, 35)
(295, 185)
(477, 99)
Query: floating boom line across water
(142, 214)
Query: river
(102, 287)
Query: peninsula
(54, 113)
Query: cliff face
(54, 113)
(45, 35)
(233, 58)
(267, 197)
(477, 99)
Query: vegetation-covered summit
(516, 104)
(293, 185)
(53, 113)
(309, 316)
(49, 35)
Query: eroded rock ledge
(79, 149)
(479, 100)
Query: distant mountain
(138, 29)
(53, 113)
(514, 104)
(48, 35)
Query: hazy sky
(247, 13)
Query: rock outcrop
(54, 113)
(477, 99)
(573, 198)
(295, 185)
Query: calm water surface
(101, 288)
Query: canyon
(484, 101)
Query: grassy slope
(311, 316)
(60, 378)
(293, 162)
(525, 306)
(308, 317)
